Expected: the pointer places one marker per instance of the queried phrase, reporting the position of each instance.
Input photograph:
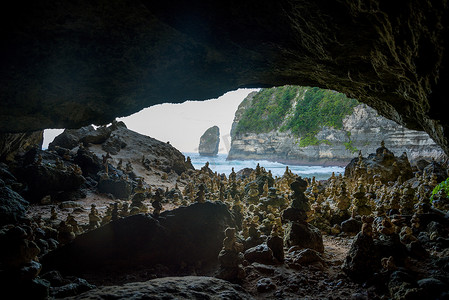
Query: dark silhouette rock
(303, 235)
(209, 142)
(12, 144)
(261, 254)
(351, 226)
(71, 138)
(186, 235)
(363, 259)
(12, 206)
(276, 244)
(45, 180)
(119, 188)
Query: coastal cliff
(361, 128)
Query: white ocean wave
(220, 165)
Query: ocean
(220, 165)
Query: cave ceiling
(66, 64)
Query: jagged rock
(209, 142)
(383, 163)
(306, 256)
(188, 287)
(43, 180)
(265, 285)
(402, 285)
(113, 145)
(130, 146)
(75, 287)
(261, 254)
(119, 188)
(436, 168)
(188, 235)
(363, 259)
(303, 235)
(71, 138)
(351, 225)
(12, 206)
(89, 163)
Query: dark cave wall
(71, 63)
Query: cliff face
(362, 130)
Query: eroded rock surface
(189, 287)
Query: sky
(183, 124)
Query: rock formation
(146, 153)
(209, 142)
(362, 130)
(54, 74)
(19, 143)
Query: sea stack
(209, 142)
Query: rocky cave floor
(103, 221)
(317, 276)
(321, 278)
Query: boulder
(12, 206)
(188, 287)
(209, 142)
(276, 244)
(306, 257)
(261, 254)
(70, 138)
(48, 179)
(119, 188)
(351, 226)
(303, 235)
(186, 235)
(363, 259)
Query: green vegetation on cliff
(302, 110)
(268, 109)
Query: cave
(104, 60)
(69, 64)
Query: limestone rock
(209, 142)
(188, 287)
(364, 130)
